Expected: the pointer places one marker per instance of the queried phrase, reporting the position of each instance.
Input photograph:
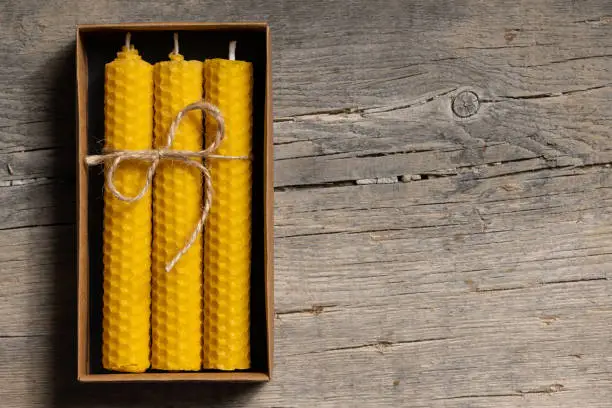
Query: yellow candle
(177, 294)
(227, 252)
(128, 115)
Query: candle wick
(232, 50)
(128, 38)
(176, 44)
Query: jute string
(186, 157)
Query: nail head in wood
(465, 104)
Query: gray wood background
(443, 204)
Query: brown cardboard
(87, 370)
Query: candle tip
(128, 38)
(232, 50)
(176, 44)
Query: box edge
(269, 194)
(150, 26)
(83, 370)
(82, 278)
(249, 377)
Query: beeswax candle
(228, 84)
(177, 294)
(128, 116)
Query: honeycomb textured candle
(177, 294)
(227, 251)
(128, 115)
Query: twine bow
(154, 156)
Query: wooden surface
(443, 204)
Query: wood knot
(465, 104)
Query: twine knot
(155, 156)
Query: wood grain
(422, 259)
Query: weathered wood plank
(36, 202)
(424, 137)
(507, 53)
(387, 362)
(37, 293)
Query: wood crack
(311, 156)
(384, 154)
(471, 396)
(343, 232)
(565, 282)
(476, 289)
(566, 60)
(595, 21)
(515, 173)
(314, 310)
(492, 290)
(278, 143)
(364, 110)
(461, 171)
(5, 152)
(322, 112)
(543, 95)
(398, 78)
(29, 122)
(26, 181)
(58, 224)
(556, 387)
(501, 47)
(312, 234)
(385, 109)
(21, 336)
(331, 184)
(549, 389)
(379, 346)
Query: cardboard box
(97, 45)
